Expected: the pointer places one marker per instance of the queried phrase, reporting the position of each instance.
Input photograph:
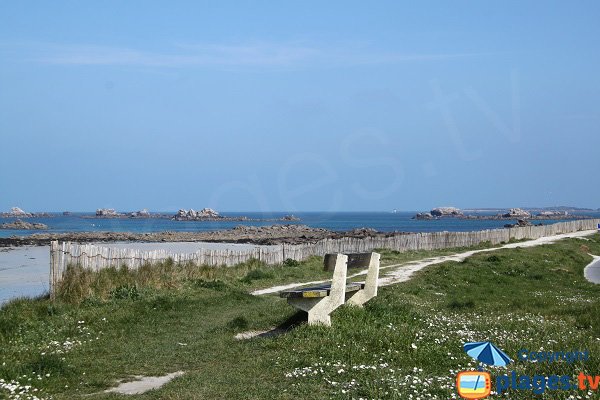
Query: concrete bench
(320, 301)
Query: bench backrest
(355, 260)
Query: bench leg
(362, 296)
(319, 308)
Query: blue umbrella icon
(487, 353)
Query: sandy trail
(404, 271)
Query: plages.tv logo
(474, 384)
(478, 384)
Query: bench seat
(319, 291)
(319, 301)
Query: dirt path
(396, 273)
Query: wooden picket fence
(99, 257)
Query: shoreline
(254, 235)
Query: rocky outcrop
(277, 230)
(520, 223)
(513, 213)
(22, 225)
(362, 232)
(107, 213)
(191, 215)
(446, 212)
(16, 212)
(140, 214)
(111, 213)
(423, 216)
(206, 214)
(517, 213)
(552, 213)
(439, 212)
(268, 235)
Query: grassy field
(405, 344)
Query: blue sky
(298, 106)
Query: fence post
(283, 251)
(53, 261)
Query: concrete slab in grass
(143, 384)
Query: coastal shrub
(76, 284)
(214, 285)
(257, 274)
(291, 263)
(456, 304)
(125, 292)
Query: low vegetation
(406, 343)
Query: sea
(400, 221)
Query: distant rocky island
(111, 213)
(16, 212)
(205, 214)
(513, 213)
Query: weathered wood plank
(318, 291)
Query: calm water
(382, 221)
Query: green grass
(390, 257)
(407, 341)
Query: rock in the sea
(208, 212)
(362, 232)
(22, 225)
(140, 214)
(424, 215)
(446, 212)
(106, 212)
(520, 223)
(16, 212)
(553, 213)
(290, 217)
(516, 213)
(193, 215)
